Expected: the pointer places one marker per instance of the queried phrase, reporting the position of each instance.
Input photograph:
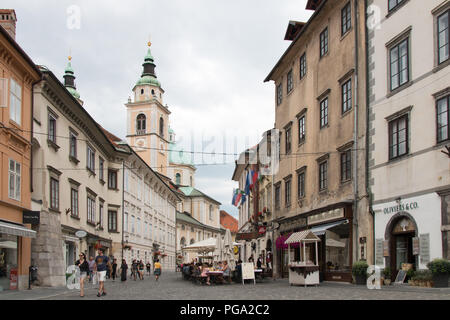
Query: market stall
(305, 271)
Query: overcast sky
(211, 58)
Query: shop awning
(305, 236)
(320, 230)
(16, 230)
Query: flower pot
(387, 282)
(361, 279)
(440, 280)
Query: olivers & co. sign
(401, 207)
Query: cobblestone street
(172, 287)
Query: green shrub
(439, 266)
(422, 275)
(360, 268)
(410, 273)
(387, 272)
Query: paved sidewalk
(172, 287)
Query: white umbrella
(229, 254)
(219, 248)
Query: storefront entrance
(402, 233)
(8, 262)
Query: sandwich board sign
(248, 272)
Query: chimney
(8, 21)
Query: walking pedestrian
(141, 270)
(157, 269)
(84, 271)
(149, 267)
(134, 269)
(123, 270)
(91, 268)
(101, 265)
(114, 269)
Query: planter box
(440, 280)
(361, 280)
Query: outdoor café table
(214, 275)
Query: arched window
(161, 127)
(192, 241)
(178, 179)
(183, 242)
(141, 124)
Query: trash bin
(33, 273)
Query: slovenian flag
(235, 191)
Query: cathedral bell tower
(148, 119)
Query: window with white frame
(90, 158)
(14, 180)
(15, 107)
(91, 209)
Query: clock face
(140, 143)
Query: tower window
(161, 127)
(178, 179)
(142, 91)
(141, 124)
(153, 92)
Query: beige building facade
(77, 175)
(320, 114)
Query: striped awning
(16, 230)
(304, 236)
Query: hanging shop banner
(262, 230)
(247, 236)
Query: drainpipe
(368, 189)
(123, 203)
(355, 135)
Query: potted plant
(359, 271)
(440, 268)
(387, 276)
(421, 278)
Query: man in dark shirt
(101, 265)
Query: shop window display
(8, 262)
(337, 241)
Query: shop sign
(247, 236)
(262, 230)
(326, 216)
(379, 251)
(401, 207)
(296, 224)
(416, 246)
(31, 217)
(13, 276)
(424, 250)
(386, 248)
(80, 234)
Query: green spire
(148, 76)
(69, 79)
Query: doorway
(402, 232)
